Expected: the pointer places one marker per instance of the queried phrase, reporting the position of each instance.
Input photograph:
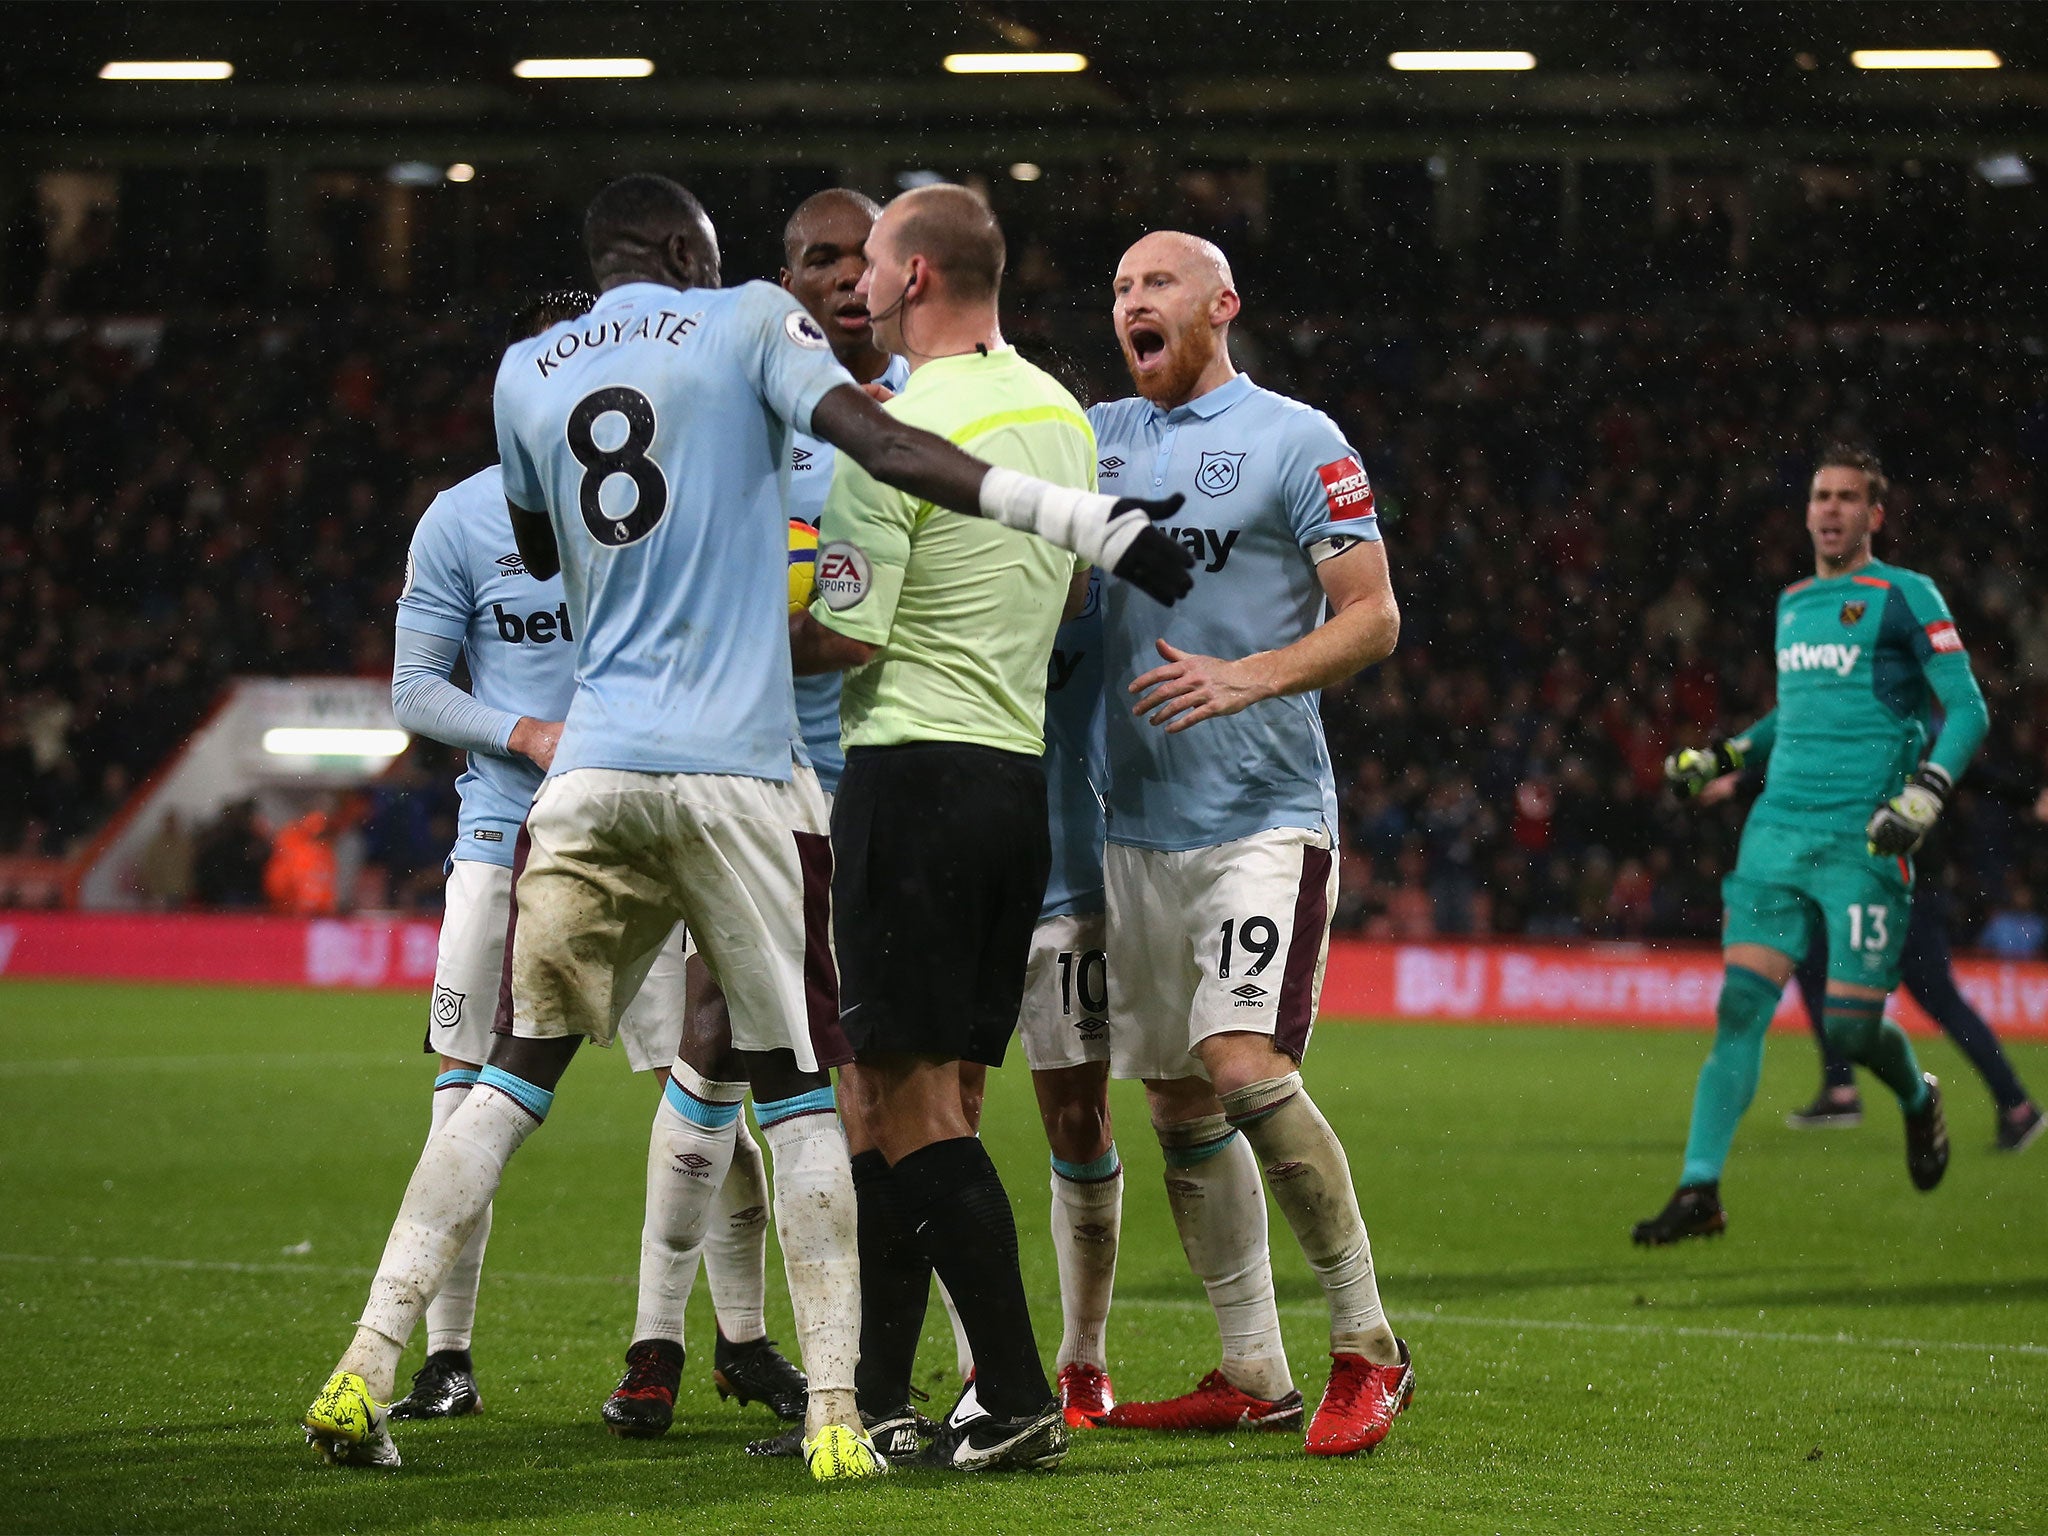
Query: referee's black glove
(1155, 563)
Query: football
(803, 564)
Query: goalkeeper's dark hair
(1854, 456)
(630, 223)
(550, 308)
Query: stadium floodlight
(1423, 59)
(2005, 171)
(1016, 63)
(462, 170)
(1926, 58)
(583, 69)
(334, 741)
(167, 69)
(1024, 170)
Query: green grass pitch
(196, 1183)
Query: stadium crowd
(1590, 517)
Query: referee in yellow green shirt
(939, 833)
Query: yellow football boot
(840, 1453)
(347, 1427)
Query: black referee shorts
(940, 854)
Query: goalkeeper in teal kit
(1865, 653)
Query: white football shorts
(1065, 1018)
(469, 968)
(614, 859)
(1207, 941)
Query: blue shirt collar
(1214, 403)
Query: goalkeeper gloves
(1691, 769)
(1901, 824)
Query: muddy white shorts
(1206, 941)
(612, 860)
(1065, 1019)
(469, 968)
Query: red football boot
(1359, 1404)
(643, 1405)
(1086, 1395)
(1214, 1404)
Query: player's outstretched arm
(1113, 532)
(1364, 624)
(1690, 770)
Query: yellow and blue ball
(803, 565)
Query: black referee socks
(951, 1196)
(895, 1283)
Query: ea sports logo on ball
(842, 575)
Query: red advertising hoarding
(1657, 986)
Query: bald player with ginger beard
(1222, 821)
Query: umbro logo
(800, 458)
(1250, 992)
(1280, 1173)
(1089, 1029)
(1109, 466)
(751, 1216)
(511, 565)
(1094, 1232)
(694, 1164)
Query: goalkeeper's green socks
(1729, 1078)
(1857, 1028)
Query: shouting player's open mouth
(1147, 346)
(852, 317)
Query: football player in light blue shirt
(823, 256)
(643, 448)
(1222, 828)
(467, 597)
(823, 261)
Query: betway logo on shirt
(1838, 659)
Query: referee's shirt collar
(959, 362)
(1214, 403)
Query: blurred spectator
(229, 859)
(166, 871)
(2015, 930)
(299, 877)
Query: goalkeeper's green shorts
(1786, 877)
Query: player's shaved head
(1191, 255)
(822, 208)
(955, 231)
(648, 228)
